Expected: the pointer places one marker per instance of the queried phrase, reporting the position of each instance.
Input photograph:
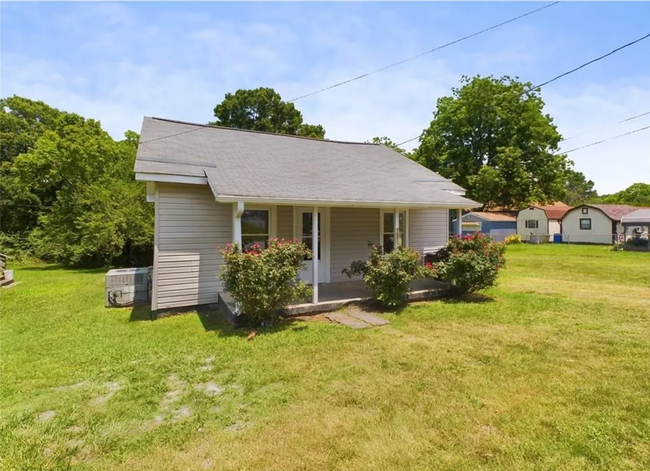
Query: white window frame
(273, 223)
(382, 232)
(325, 234)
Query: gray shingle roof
(272, 166)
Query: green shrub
(514, 239)
(388, 275)
(473, 263)
(265, 281)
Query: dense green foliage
(471, 263)
(492, 138)
(637, 194)
(68, 189)
(388, 275)
(262, 109)
(578, 189)
(265, 281)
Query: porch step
(367, 317)
(346, 320)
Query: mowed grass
(550, 371)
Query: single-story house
(496, 225)
(212, 185)
(595, 223)
(541, 220)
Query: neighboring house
(212, 186)
(541, 220)
(595, 223)
(496, 225)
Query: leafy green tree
(579, 190)
(493, 138)
(262, 109)
(385, 141)
(637, 194)
(82, 202)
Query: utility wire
(395, 64)
(605, 140)
(605, 127)
(567, 73)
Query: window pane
(255, 222)
(306, 225)
(389, 243)
(388, 223)
(402, 227)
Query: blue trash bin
(557, 238)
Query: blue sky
(117, 62)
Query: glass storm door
(306, 236)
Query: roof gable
(613, 211)
(239, 163)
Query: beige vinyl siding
(285, 222)
(601, 232)
(428, 228)
(191, 226)
(351, 229)
(532, 214)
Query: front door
(304, 233)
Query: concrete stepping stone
(346, 320)
(366, 317)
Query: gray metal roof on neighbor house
(641, 217)
(249, 164)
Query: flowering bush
(388, 275)
(513, 239)
(473, 263)
(264, 281)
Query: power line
(605, 127)
(359, 77)
(605, 140)
(568, 72)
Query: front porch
(333, 296)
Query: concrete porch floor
(332, 296)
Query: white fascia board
(165, 178)
(338, 204)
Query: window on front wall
(254, 228)
(390, 240)
(532, 224)
(585, 224)
(585, 210)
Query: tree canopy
(68, 192)
(637, 194)
(578, 189)
(262, 109)
(492, 137)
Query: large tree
(579, 190)
(262, 109)
(492, 137)
(68, 189)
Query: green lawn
(551, 372)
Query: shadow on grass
(474, 298)
(46, 268)
(141, 313)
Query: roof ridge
(225, 128)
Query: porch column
(459, 226)
(396, 227)
(237, 211)
(314, 243)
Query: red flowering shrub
(471, 263)
(388, 275)
(265, 281)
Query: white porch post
(314, 243)
(396, 227)
(237, 211)
(459, 220)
